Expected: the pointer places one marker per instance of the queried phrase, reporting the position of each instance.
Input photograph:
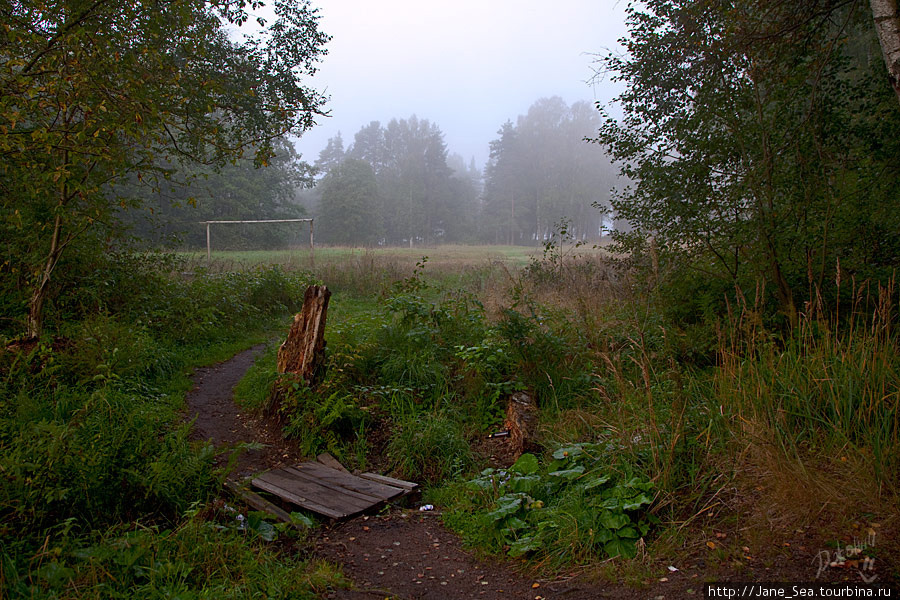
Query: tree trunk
(887, 25)
(303, 352)
(39, 295)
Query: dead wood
(303, 352)
(302, 355)
(521, 421)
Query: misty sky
(466, 65)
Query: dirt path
(409, 554)
(220, 421)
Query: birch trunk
(887, 25)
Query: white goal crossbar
(312, 257)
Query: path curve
(217, 418)
(401, 554)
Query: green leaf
(596, 482)
(526, 465)
(614, 521)
(567, 452)
(301, 519)
(636, 503)
(524, 546)
(620, 547)
(507, 505)
(568, 474)
(526, 484)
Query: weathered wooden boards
(303, 352)
(330, 492)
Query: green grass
(102, 493)
(328, 255)
(205, 556)
(421, 356)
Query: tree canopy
(762, 143)
(419, 199)
(541, 172)
(95, 92)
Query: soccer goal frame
(312, 255)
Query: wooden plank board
(315, 492)
(338, 488)
(407, 486)
(330, 492)
(346, 481)
(259, 503)
(299, 500)
(329, 461)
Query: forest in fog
(398, 183)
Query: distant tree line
(173, 209)
(393, 186)
(541, 172)
(397, 184)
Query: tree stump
(521, 421)
(303, 352)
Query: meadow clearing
(717, 447)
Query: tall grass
(831, 391)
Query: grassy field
(440, 257)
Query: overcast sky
(466, 65)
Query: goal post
(312, 256)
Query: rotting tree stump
(303, 352)
(521, 421)
(302, 355)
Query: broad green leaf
(507, 505)
(619, 547)
(526, 484)
(567, 452)
(523, 546)
(597, 481)
(614, 521)
(636, 503)
(568, 474)
(526, 465)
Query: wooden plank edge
(390, 481)
(329, 461)
(315, 490)
(259, 503)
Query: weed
(579, 506)
(430, 447)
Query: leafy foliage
(579, 506)
(92, 435)
(95, 93)
(349, 207)
(419, 199)
(759, 140)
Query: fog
(467, 66)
